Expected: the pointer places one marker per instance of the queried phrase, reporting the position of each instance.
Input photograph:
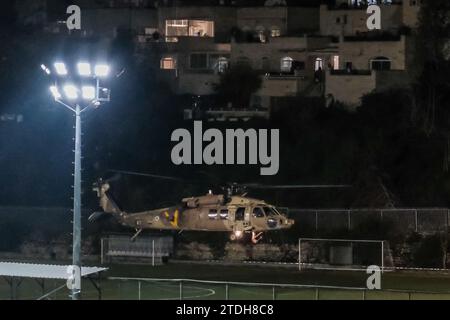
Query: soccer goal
(341, 254)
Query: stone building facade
(317, 51)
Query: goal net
(342, 254)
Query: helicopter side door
(258, 218)
(241, 218)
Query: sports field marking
(210, 292)
(173, 288)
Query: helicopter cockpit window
(258, 212)
(212, 214)
(276, 211)
(270, 211)
(224, 214)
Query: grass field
(423, 285)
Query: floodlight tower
(82, 86)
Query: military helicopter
(231, 211)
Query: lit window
(201, 28)
(286, 64)
(168, 63)
(335, 62)
(192, 28)
(318, 64)
(260, 33)
(275, 32)
(218, 63)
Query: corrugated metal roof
(42, 271)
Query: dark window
(298, 65)
(381, 64)
(258, 212)
(348, 66)
(199, 61)
(239, 215)
(269, 211)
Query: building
(314, 51)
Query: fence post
(364, 295)
(299, 254)
(139, 288)
(349, 220)
(274, 297)
(181, 290)
(448, 218)
(101, 250)
(153, 252)
(416, 220)
(317, 293)
(226, 291)
(317, 220)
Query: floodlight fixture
(84, 69)
(60, 68)
(71, 91)
(55, 92)
(88, 92)
(101, 70)
(46, 70)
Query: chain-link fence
(421, 220)
(186, 289)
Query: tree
(237, 85)
(432, 84)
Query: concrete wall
(267, 17)
(361, 52)
(278, 87)
(303, 19)
(197, 84)
(349, 89)
(105, 22)
(277, 48)
(391, 19)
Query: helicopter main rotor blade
(115, 177)
(295, 186)
(133, 173)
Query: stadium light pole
(71, 96)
